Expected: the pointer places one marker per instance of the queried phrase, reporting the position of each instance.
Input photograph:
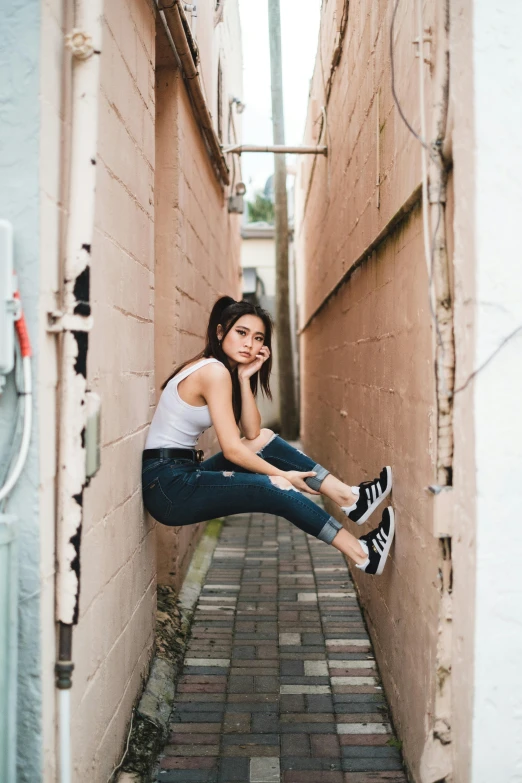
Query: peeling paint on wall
(82, 290)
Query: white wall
(261, 254)
(497, 719)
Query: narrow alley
(344, 176)
(279, 681)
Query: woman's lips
(244, 353)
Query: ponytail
(225, 312)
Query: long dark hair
(226, 312)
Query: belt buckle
(199, 455)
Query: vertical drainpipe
(72, 323)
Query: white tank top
(175, 423)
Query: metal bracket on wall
(278, 149)
(58, 321)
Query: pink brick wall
(114, 638)
(367, 347)
(197, 259)
(164, 248)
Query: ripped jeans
(182, 492)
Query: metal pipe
(278, 149)
(64, 704)
(74, 321)
(177, 38)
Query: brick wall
(368, 387)
(197, 258)
(164, 248)
(114, 637)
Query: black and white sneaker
(378, 543)
(371, 494)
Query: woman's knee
(281, 482)
(264, 437)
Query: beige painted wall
(260, 252)
(197, 241)
(368, 386)
(113, 640)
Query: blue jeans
(182, 492)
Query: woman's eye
(239, 331)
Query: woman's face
(243, 341)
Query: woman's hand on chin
(297, 479)
(246, 371)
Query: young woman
(259, 472)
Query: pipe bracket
(58, 321)
(63, 671)
(80, 44)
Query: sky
(299, 35)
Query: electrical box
(236, 204)
(8, 304)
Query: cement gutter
(402, 213)
(150, 724)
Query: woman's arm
(217, 391)
(250, 416)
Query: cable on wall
(25, 408)
(435, 155)
(435, 246)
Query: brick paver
(280, 684)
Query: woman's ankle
(341, 494)
(350, 546)
(349, 497)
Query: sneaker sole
(369, 511)
(384, 556)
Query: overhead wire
(429, 241)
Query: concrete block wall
(368, 386)
(114, 637)
(197, 253)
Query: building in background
(112, 168)
(258, 262)
(431, 389)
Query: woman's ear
(219, 332)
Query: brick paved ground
(279, 684)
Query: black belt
(196, 455)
